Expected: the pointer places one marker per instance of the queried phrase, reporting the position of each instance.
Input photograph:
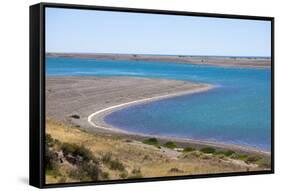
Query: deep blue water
(237, 111)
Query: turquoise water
(237, 111)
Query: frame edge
(35, 162)
(36, 173)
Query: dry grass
(148, 160)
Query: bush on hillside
(170, 145)
(116, 165)
(151, 141)
(188, 149)
(208, 150)
(76, 150)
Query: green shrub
(50, 159)
(79, 174)
(105, 175)
(238, 156)
(85, 153)
(68, 148)
(208, 150)
(76, 150)
(116, 165)
(188, 149)
(264, 163)
(123, 175)
(86, 171)
(107, 157)
(75, 116)
(50, 155)
(151, 141)
(175, 170)
(252, 159)
(92, 170)
(226, 153)
(170, 145)
(136, 173)
(49, 141)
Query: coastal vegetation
(208, 150)
(75, 116)
(74, 155)
(170, 145)
(152, 141)
(188, 149)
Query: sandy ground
(68, 96)
(206, 60)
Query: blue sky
(88, 31)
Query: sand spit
(73, 99)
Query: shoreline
(109, 110)
(96, 119)
(222, 61)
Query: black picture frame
(37, 93)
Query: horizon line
(211, 55)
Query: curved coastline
(96, 120)
(99, 115)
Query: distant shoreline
(223, 61)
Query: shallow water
(237, 111)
